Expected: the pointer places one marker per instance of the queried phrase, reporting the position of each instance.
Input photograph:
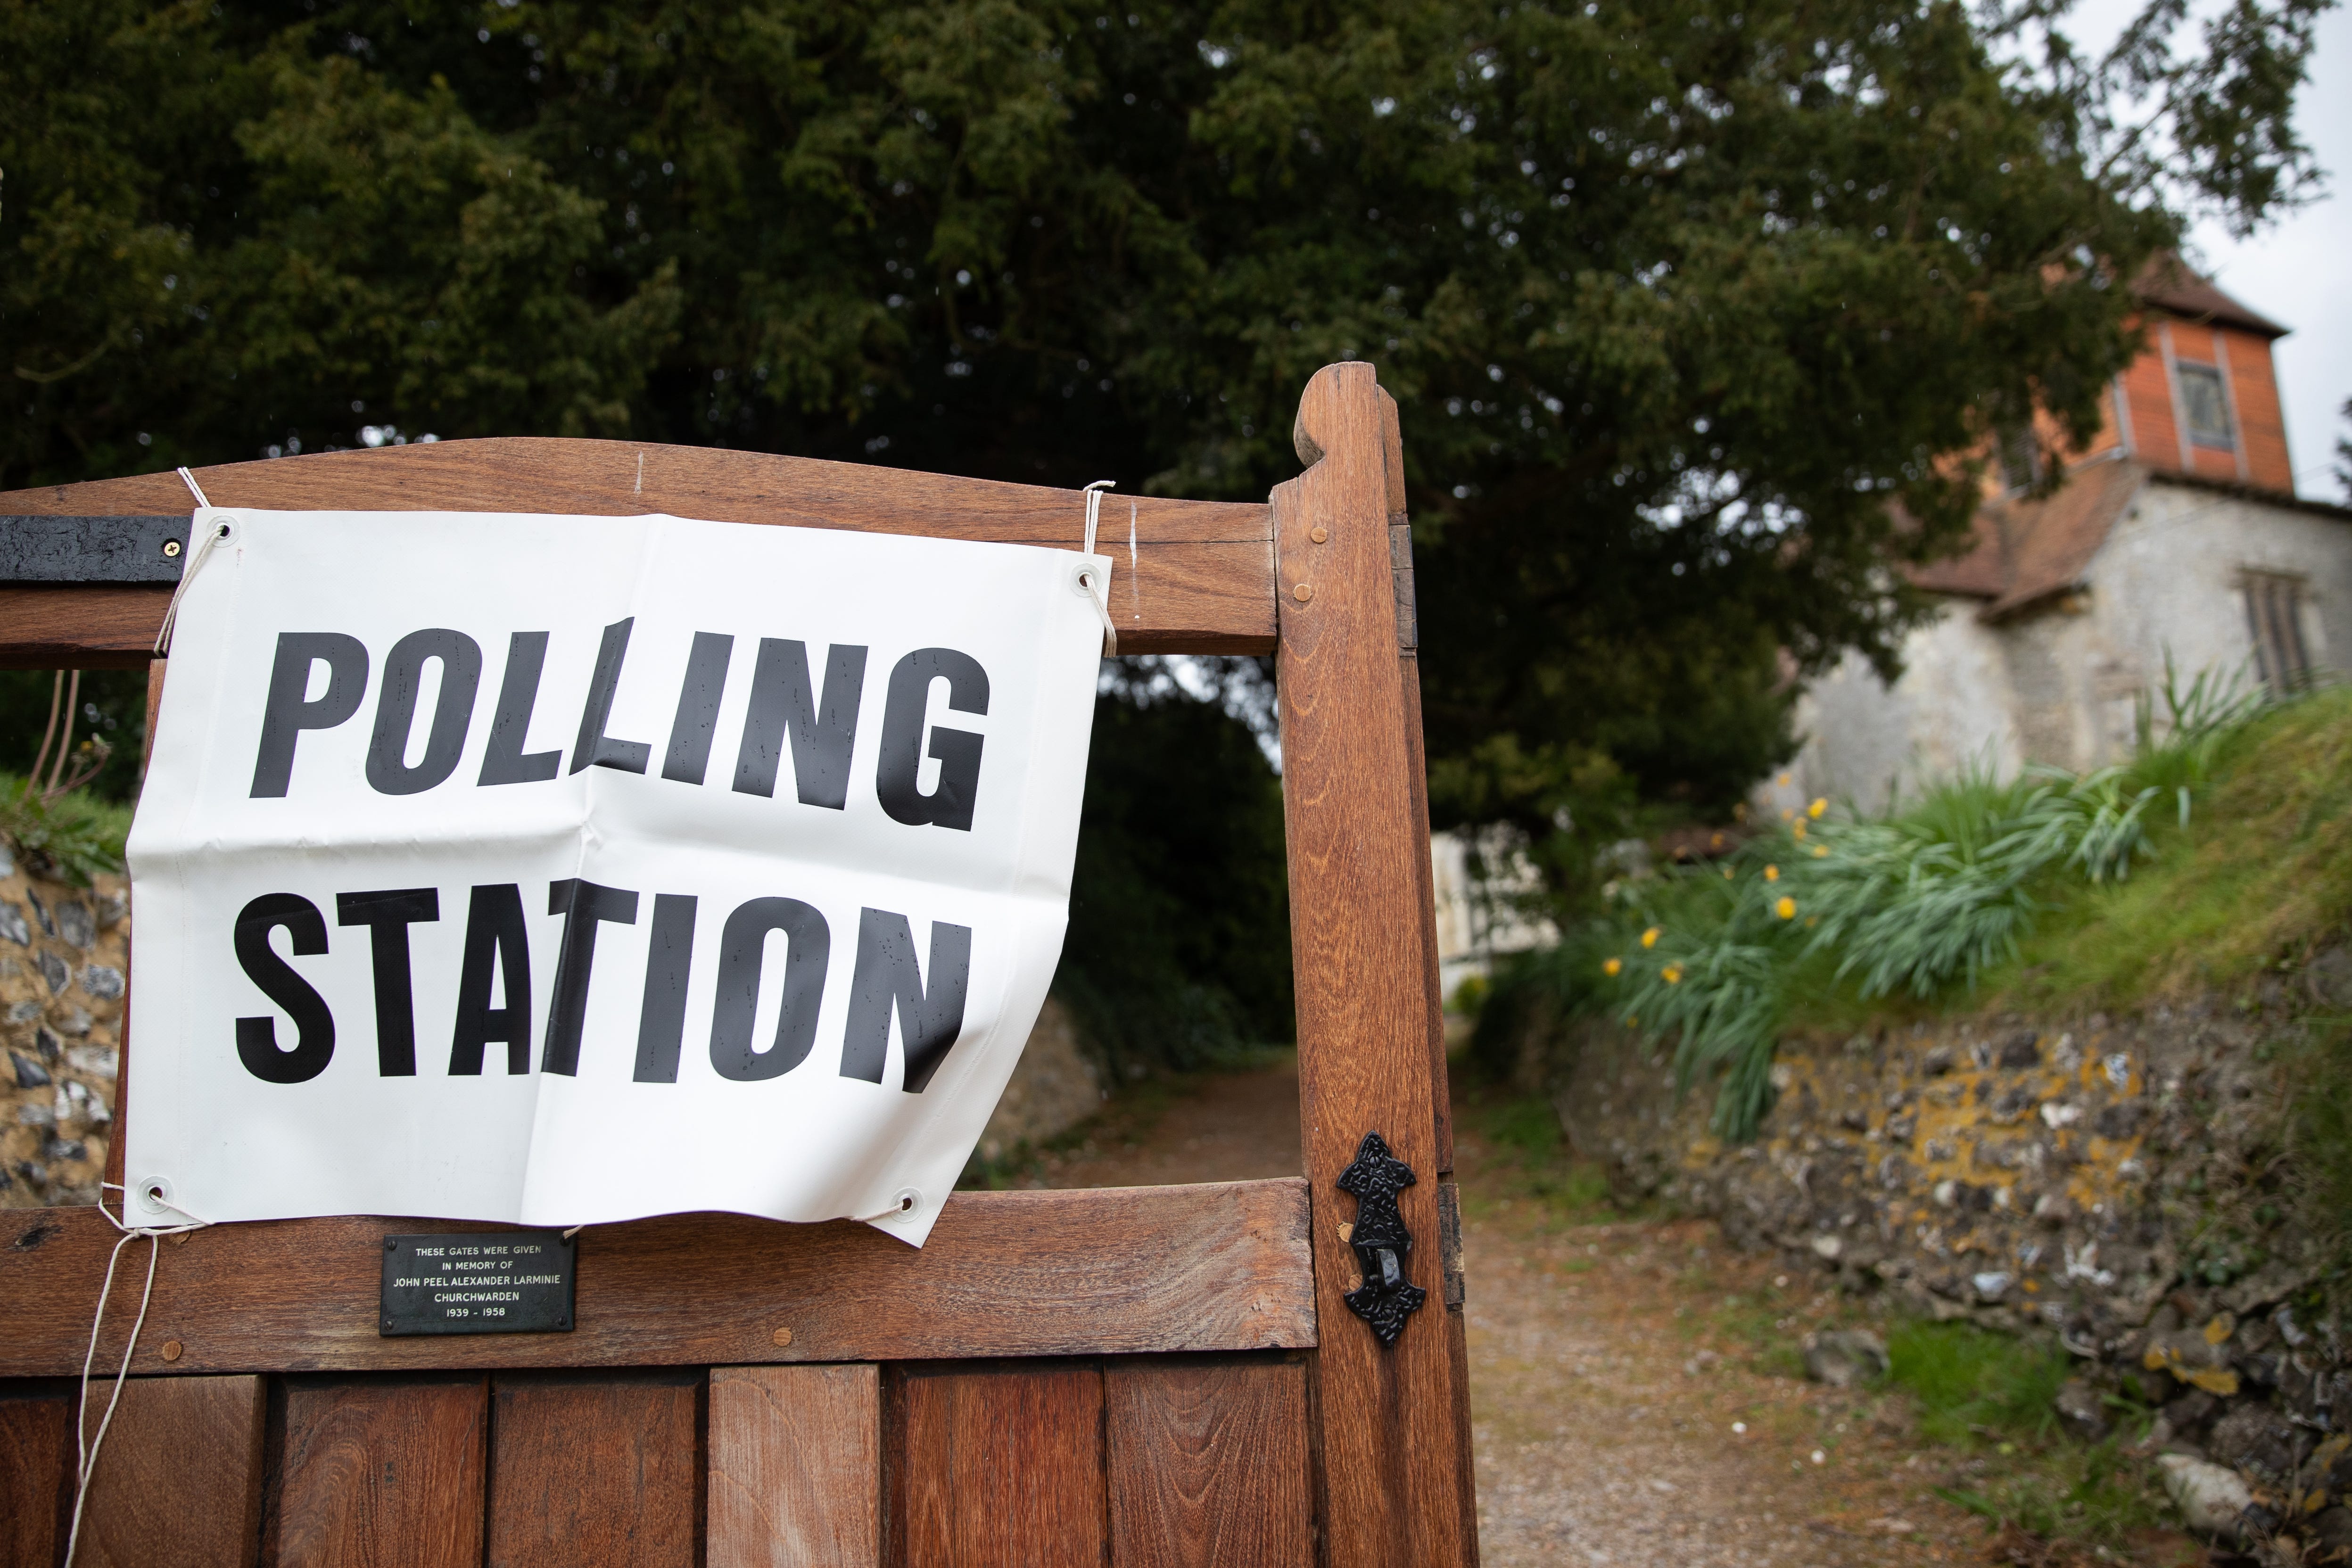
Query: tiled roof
(2168, 283)
(1979, 572)
(2025, 551)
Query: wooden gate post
(1391, 1421)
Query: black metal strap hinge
(1408, 608)
(1449, 1245)
(74, 550)
(1386, 1297)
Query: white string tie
(196, 558)
(900, 1207)
(85, 1444)
(1100, 592)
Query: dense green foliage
(1178, 950)
(1928, 901)
(1676, 297)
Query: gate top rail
(1197, 578)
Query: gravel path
(1622, 1412)
(1619, 1421)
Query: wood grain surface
(596, 1471)
(1207, 1463)
(178, 1481)
(1142, 1462)
(1218, 1266)
(1199, 578)
(383, 1474)
(1442, 1102)
(1003, 1468)
(795, 1467)
(1385, 1418)
(36, 1466)
(106, 626)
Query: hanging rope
(1099, 592)
(216, 534)
(87, 1444)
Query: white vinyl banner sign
(569, 869)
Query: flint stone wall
(2098, 1178)
(63, 959)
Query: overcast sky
(2298, 272)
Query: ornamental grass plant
(1921, 903)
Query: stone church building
(2177, 533)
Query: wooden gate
(1158, 1375)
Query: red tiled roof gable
(2168, 283)
(2026, 551)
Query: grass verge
(2262, 872)
(73, 839)
(1528, 1162)
(2221, 851)
(1989, 1397)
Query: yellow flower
(1672, 974)
(1726, 873)
(1771, 873)
(1819, 806)
(1632, 1022)
(1650, 937)
(1611, 967)
(1799, 832)
(1786, 909)
(1820, 850)
(1784, 781)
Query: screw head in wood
(170, 548)
(781, 1336)
(1319, 534)
(173, 1349)
(1304, 592)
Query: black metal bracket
(83, 549)
(1386, 1297)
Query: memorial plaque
(479, 1282)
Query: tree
(2344, 454)
(1695, 308)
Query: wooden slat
(98, 628)
(1003, 1468)
(383, 1474)
(795, 1467)
(601, 1472)
(1386, 1416)
(1219, 1265)
(178, 1483)
(37, 1463)
(1200, 579)
(1207, 1464)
